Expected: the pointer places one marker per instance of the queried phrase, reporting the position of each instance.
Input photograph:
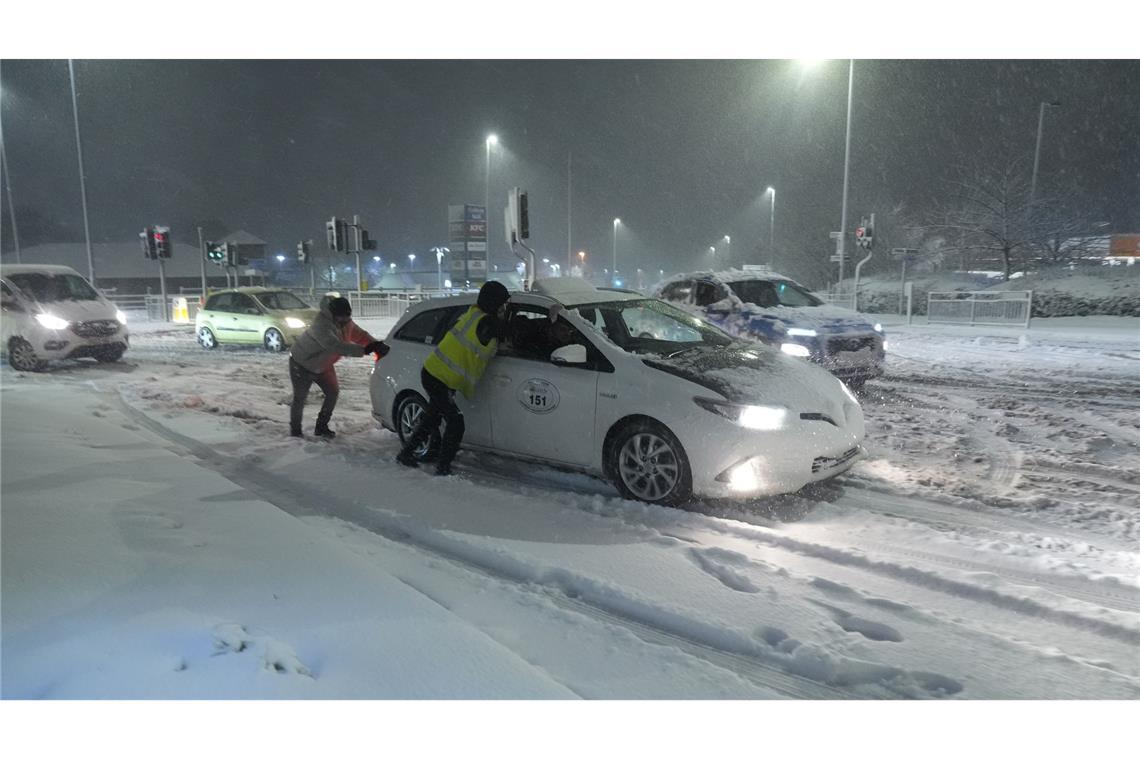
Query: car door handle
(502, 379)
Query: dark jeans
(302, 380)
(441, 403)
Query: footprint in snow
(715, 562)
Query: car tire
(273, 340)
(647, 463)
(206, 338)
(408, 412)
(109, 355)
(23, 357)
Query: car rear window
(423, 328)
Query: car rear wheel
(274, 340)
(23, 357)
(206, 338)
(409, 412)
(648, 463)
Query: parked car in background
(252, 316)
(631, 389)
(52, 312)
(779, 312)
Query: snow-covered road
(989, 547)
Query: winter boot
(407, 459)
(322, 430)
(443, 469)
(295, 432)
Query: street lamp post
(411, 261)
(439, 251)
(1037, 150)
(772, 227)
(712, 254)
(82, 180)
(846, 173)
(728, 251)
(491, 140)
(617, 223)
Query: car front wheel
(206, 338)
(648, 463)
(274, 340)
(409, 412)
(23, 357)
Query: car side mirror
(573, 354)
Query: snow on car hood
(757, 375)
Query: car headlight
(51, 321)
(802, 332)
(119, 315)
(295, 323)
(746, 415)
(878, 327)
(795, 349)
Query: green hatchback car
(271, 318)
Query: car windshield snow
(281, 300)
(48, 288)
(767, 293)
(651, 327)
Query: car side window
(424, 327)
(677, 291)
(533, 336)
(709, 293)
(220, 302)
(243, 304)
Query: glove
(378, 347)
(555, 311)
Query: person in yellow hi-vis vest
(456, 365)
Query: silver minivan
(52, 312)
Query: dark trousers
(302, 380)
(441, 404)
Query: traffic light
(302, 252)
(146, 237)
(216, 253)
(366, 243)
(162, 242)
(231, 254)
(335, 230)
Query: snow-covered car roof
(728, 275)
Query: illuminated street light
(772, 224)
(491, 140)
(280, 257)
(617, 223)
(728, 250)
(411, 260)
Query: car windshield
(48, 288)
(281, 300)
(768, 293)
(651, 327)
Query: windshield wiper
(680, 351)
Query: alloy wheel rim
(409, 418)
(273, 340)
(23, 357)
(648, 466)
(205, 337)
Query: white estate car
(660, 402)
(52, 312)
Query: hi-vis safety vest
(459, 360)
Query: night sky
(680, 150)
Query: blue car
(778, 311)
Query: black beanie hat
(492, 295)
(340, 307)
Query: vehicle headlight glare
(121, 316)
(802, 332)
(745, 476)
(762, 417)
(51, 321)
(795, 349)
(295, 323)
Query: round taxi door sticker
(538, 396)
